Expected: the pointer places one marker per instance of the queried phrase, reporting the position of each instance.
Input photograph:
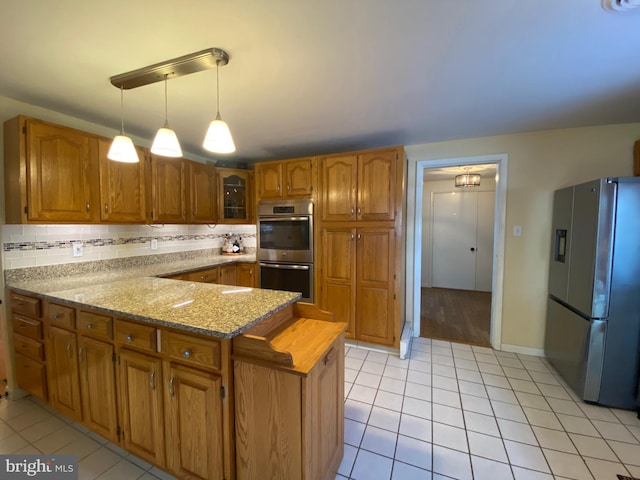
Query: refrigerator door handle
(560, 245)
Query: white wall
(439, 186)
(539, 163)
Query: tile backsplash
(40, 245)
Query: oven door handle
(284, 267)
(284, 219)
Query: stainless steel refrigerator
(593, 310)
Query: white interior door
(462, 252)
(484, 240)
(454, 240)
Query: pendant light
(467, 179)
(166, 144)
(122, 148)
(218, 138)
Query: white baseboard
(535, 352)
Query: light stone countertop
(136, 293)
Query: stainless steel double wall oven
(285, 246)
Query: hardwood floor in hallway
(456, 315)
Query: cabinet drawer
(26, 305)
(29, 347)
(207, 276)
(31, 376)
(136, 335)
(198, 351)
(28, 327)
(95, 325)
(61, 315)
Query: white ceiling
(310, 77)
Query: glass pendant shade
(166, 143)
(218, 138)
(123, 150)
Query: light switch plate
(517, 230)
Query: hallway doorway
(471, 312)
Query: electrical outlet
(77, 249)
(154, 244)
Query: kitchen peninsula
(202, 380)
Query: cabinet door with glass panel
(233, 201)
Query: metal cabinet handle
(352, 211)
(187, 353)
(88, 207)
(278, 188)
(106, 208)
(57, 316)
(359, 236)
(352, 236)
(288, 188)
(172, 391)
(89, 326)
(152, 380)
(129, 338)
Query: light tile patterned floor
(462, 412)
(450, 411)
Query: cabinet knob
(88, 207)
(152, 380)
(352, 211)
(106, 208)
(129, 338)
(89, 326)
(187, 353)
(288, 188)
(359, 211)
(278, 188)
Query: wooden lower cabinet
(227, 275)
(358, 281)
(98, 387)
(141, 406)
(193, 423)
(246, 275)
(289, 398)
(62, 367)
(30, 374)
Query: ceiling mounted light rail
(174, 68)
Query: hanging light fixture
(467, 179)
(122, 148)
(218, 138)
(166, 144)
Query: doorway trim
(414, 237)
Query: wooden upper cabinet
(234, 190)
(50, 173)
(169, 190)
(269, 181)
(339, 174)
(284, 179)
(377, 185)
(122, 187)
(202, 180)
(359, 186)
